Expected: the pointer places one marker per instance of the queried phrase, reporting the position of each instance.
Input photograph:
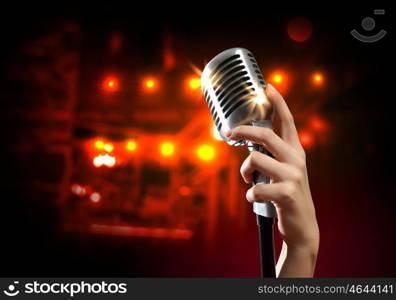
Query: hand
(289, 189)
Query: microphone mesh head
(233, 87)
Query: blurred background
(111, 164)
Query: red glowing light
(95, 197)
(185, 190)
(318, 124)
(306, 139)
(280, 80)
(150, 84)
(78, 190)
(111, 84)
(317, 79)
(120, 230)
(104, 160)
(299, 29)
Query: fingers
(288, 128)
(259, 135)
(263, 164)
(277, 193)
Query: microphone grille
(229, 81)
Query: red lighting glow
(318, 124)
(317, 79)
(167, 149)
(184, 191)
(194, 83)
(306, 139)
(78, 190)
(104, 160)
(173, 233)
(299, 29)
(95, 197)
(150, 84)
(111, 84)
(280, 80)
(206, 152)
(131, 146)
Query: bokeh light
(306, 138)
(104, 160)
(150, 84)
(299, 29)
(131, 146)
(167, 149)
(111, 84)
(317, 79)
(95, 197)
(280, 80)
(194, 83)
(206, 152)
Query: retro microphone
(234, 89)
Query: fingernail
(249, 195)
(228, 133)
(270, 87)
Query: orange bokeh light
(131, 146)
(194, 83)
(95, 197)
(99, 144)
(150, 84)
(318, 124)
(167, 149)
(280, 80)
(306, 139)
(104, 160)
(111, 84)
(78, 190)
(299, 29)
(206, 152)
(317, 79)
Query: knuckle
(288, 191)
(252, 159)
(296, 175)
(256, 193)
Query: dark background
(351, 169)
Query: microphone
(234, 89)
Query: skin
(289, 189)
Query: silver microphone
(234, 89)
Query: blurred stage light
(150, 84)
(95, 197)
(194, 83)
(279, 79)
(184, 190)
(299, 29)
(111, 84)
(131, 146)
(167, 149)
(108, 147)
(99, 144)
(78, 190)
(306, 139)
(317, 79)
(104, 160)
(206, 152)
(318, 124)
(215, 133)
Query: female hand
(289, 189)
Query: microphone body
(234, 89)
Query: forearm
(296, 262)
